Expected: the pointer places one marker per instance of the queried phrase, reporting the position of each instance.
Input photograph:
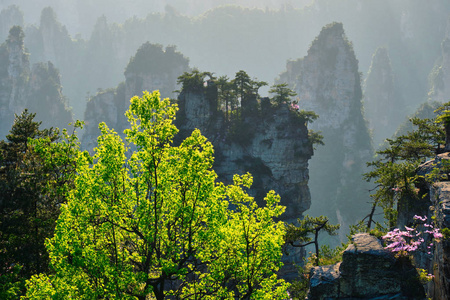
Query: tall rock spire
(39, 89)
(327, 82)
(440, 75)
(383, 102)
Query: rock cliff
(39, 89)
(367, 271)
(383, 103)
(327, 82)
(270, 142)
(50, 41)
(435, 205)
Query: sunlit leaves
(156, 223)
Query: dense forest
(224, 149)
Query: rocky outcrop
(50, 41)
(15, 71)
(45, 96)
(39, 89)
(271, 143)
(436, 204)
(367, 271)
(383, 104)
(327, 82)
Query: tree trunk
(447, 137)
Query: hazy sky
(72, 13)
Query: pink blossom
(423, 219)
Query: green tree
(226, 93)
(242, 84)
(394, 170)
(193, 81)
(32, 189)
(300, 235)
(155, 223)
(444, 118)
(282, 93)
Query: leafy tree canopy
(155, 223)
(32, 184)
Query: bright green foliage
(154, 223)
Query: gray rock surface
(367, 271)
(327, 82)
(383, 102)
(435, 205)
(39, 90)
(275, 151)
(440, 75)
(439, 288)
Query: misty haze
(226, 149)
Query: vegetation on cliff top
(155, 222)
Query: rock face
(367, 271)
(38, 89)
(270, 143)
(327, 82)
(436, 202)
(50, 41)
(440, 288)
(383, 103)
